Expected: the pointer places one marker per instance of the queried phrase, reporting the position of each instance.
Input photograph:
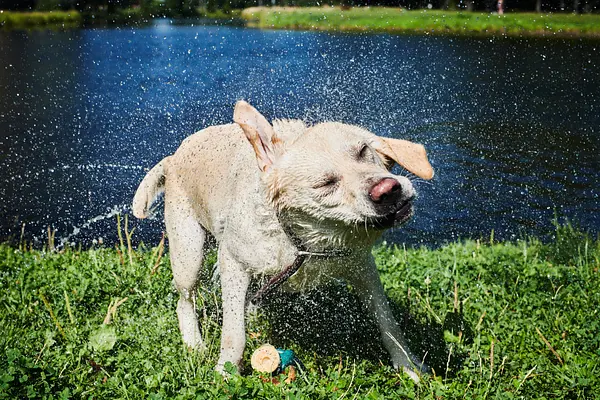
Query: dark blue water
(512, 126)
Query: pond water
(512, 126)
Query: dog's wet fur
(259, 189)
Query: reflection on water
(513, 178)
(511, 125)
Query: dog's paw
(226, 369)
(423, 368)
(198, 347)
(414, 371)
(412, 374)
(194, 342)
(220, 368)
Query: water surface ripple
(511, 125)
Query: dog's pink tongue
(384, 189)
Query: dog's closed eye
(364, 153)
(328, 181)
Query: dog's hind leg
(186, 245)
(234, 285)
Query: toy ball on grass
(265, 359)
(268, 359)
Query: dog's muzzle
(398, 216)
(386, 196)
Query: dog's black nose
(386, 191)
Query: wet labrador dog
(300, 204)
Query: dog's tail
(151, 187)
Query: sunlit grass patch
(508, 320)
(35, 19)
(381, 19)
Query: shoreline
(440, 32)
(424, 22)
(335, 19)
(36, 20)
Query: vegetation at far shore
(40, 19)
(397, 20)
(342, 19)
(494, 320)
(31, 20)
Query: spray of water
(116, 210)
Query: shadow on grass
(332, 321)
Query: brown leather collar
(301, 255)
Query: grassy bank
(14, 20)
(379, 19)
(43, 20)
(373, 19)
(497, 320)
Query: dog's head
(333, 179)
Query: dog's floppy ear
(411, 156)
(259, 132)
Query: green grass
(511, 320)
(380, 19)
(40, 19)
(372, 19)
(220, 14)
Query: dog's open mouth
(398, 217)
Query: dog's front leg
(234, 284)
(367, 284)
